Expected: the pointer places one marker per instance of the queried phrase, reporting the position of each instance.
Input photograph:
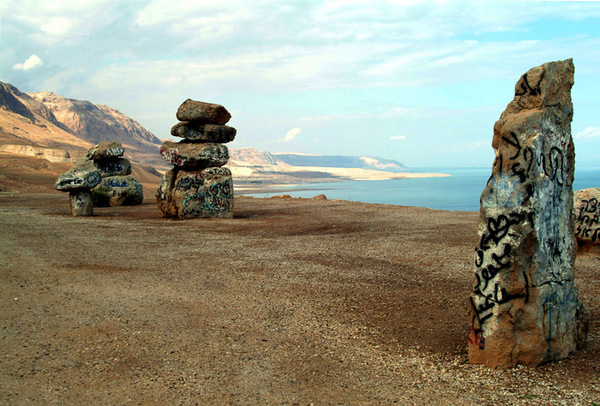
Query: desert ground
(290, 302)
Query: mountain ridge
(47, 120)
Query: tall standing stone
(524, 308)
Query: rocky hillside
(47, 122)
(96, 122)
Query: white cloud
(588, 133)
(397, 138)
(293, 133)
(32, 62)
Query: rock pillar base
(202, 193)
(81, 203)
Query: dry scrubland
(293, 301)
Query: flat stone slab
(194, 155)
(191, 110)
(586, 207)
(113, 167)
(78, 177)
(118, 191)
(107, 149)
(203, 132)
(202, 193)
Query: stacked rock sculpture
(198, 185)
(117, 187)
(101, 178)
(78, 181)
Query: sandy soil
(291, 302)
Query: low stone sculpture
(78, 182)
(525, 308)
(101, 178)
(198, 185)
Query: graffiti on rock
(588, 220)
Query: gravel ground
(291, 302)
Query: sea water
(460, 191)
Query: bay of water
(461, 191)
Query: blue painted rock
(195, 131)
(107, 149)
(190, 155)
(113, 167)
(191, 110)
(118, 191)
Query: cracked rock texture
(524, 308)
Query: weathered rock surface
(164, 192)
(82, 176)
(203, 132)
(118, 191)
(197, 193)
(524, 306)
(194, 155)
(191, 110)
(107, 149)
(81, 203)
(586, 208)
(113, 167)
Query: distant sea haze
(461, 191)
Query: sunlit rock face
(524, 308)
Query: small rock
(107, 149)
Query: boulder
(118, 191)
(201, 193)
(586, 208)
(107, 149)
(191, 110)
(194, 155)
(113, 167)
(524, 308)
(81, 176)
(195, 131)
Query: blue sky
(418, 81)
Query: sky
(421, 82)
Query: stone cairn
(100, 179)
(198, 185)
(524, 308)
(586, 208)
(117, 188)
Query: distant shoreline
(293, 181)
